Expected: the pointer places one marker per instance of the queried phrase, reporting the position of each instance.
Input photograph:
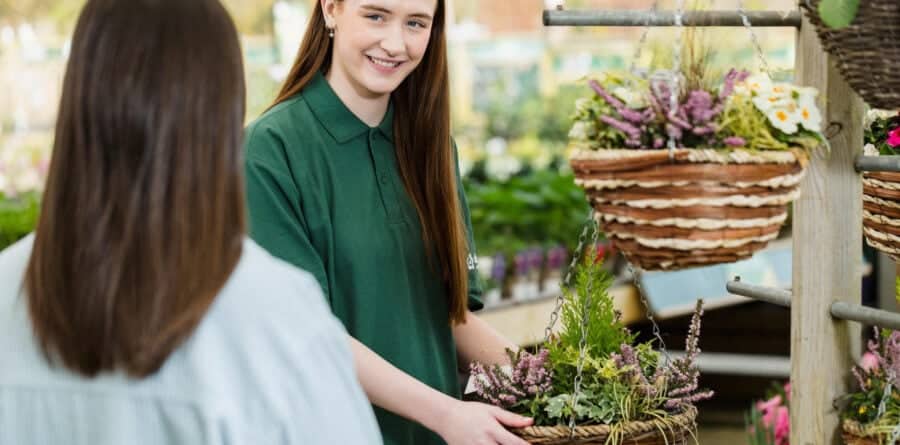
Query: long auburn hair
(424, 150)
(142, 220)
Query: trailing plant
(621, 382)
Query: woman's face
(377, 43)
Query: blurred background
(514, 84)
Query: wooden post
(827, 232)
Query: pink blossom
(782, 426)
(869, 361)
(768, 410)
(894, 137)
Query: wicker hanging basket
(881, 211)
(693, 208)
(867, 51)
(676, 430)
(856, 434)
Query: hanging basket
(856, 434)
(675, 430)
(693, 208)
(881, 211)
(867, 51)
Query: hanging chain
(759, 50)
(643, 41)
(582, 344)
(674, 78)
(554, 316)
(636, 278)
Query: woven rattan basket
(881, 211)
(855, 434)
(867, 51)
(676, 430)
(691, 208)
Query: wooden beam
(827, 232)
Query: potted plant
(626, 394)
(697, 177)
(881, 190)
(871, 415)
(864, 38)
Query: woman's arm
(477, 341)
(457, 422)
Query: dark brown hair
(142, 219)
(425, 154)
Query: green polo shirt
(325, 194)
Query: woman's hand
(473, 423)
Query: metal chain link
(636, 274)
(759, 50)
(582, 344)
(643, 41)
(674, 78)
(554, 316)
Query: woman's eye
(375, 17)
(416, 24)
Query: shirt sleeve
(318, 380)
(274, 205)
(476, 290)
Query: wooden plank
(524, 323)
(827, 250)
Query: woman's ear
(328, 9)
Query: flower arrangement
(621, 382)
(882, 133)
(745, 111)
(769, 420)
(875, 407)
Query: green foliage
(603, 327)
(838, 13)
(877, 134)
(741, 118)
(18, 217)
(541, 207)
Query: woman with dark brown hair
(138, 312)
(352, 176)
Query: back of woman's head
(142, 220)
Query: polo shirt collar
(334, 115)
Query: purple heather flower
(530, 376)
(630, 130)
(498, 270)
(735, 141)
(523, 263)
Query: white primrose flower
(632, 99)
(581, 131)
(753, 85)
(784, 119)
(870, 150)
(809, 114)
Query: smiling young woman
(352, 175)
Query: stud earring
(331, 32)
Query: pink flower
(868, 361)
(768, 410)
(894, 137)
(782, 426)
(787, 390)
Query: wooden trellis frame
(827, 227)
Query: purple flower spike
(735, 141)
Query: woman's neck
(367, 107)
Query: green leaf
(838, 13)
